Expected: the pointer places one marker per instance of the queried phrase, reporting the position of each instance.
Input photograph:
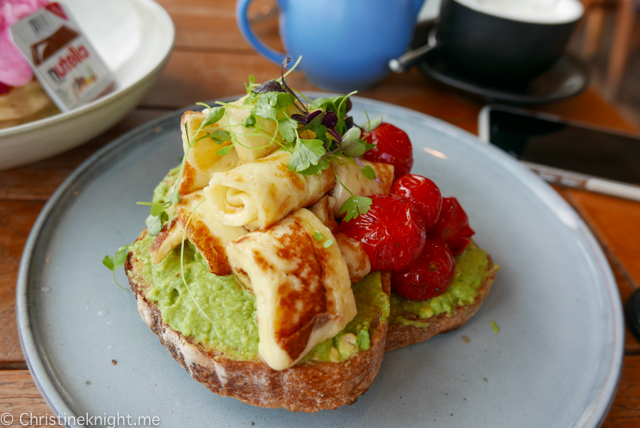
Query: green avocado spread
(218, 312)
(472, 268)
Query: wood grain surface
(211, 60)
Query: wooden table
(212, 60)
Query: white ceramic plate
(555, 362)
(135, 38)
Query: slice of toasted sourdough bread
(400, 335)
(308, 386)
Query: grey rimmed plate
(556, 360)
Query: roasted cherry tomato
(429, 276)
(424, 194)
(392, 232)
(458, 244)
(453, 226)
(392, 145)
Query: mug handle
(242, 9)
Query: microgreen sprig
(114, 263)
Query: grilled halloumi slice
(351, 176)
(254, 144)
(303, 292)
(203, 155)
(258, 194)
(352, 250)
(208, 236)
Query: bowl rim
(113, 97)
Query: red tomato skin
(392, 145)
(427, 277)
(453, 226)
(458, 244)
(423, 193)
(392, 232)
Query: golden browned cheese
(323, 209)
(352, 250)
(192, 180)
(203, 155)
(209, 237)
(258, 194)
(303, 292)
(357, 260)
(169, 237)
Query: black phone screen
(566, 146)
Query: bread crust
(401, 335)
(305, 387)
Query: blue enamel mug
(345, 44)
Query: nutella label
(65, 63)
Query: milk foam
(536, 11)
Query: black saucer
(565, 79)
(632, 314)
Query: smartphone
(566, 152)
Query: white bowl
(135, 38)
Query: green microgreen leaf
(323, 164)
(318, 236)
(306, 154)
(354, 149)
(288, 129)
(108, 262)
(321, 132)
(114, 263)
(219, 136)
(368, 172)
(338, 105)
(351, 144)
(352, 135)
(327, 243)
(285, 99)
(214, 115)
(121, 256)
(354, 206)
(266, 105)
(156, 209)
(225, 150)
(250, 120)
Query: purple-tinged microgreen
(269, 86)
(299, 105)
